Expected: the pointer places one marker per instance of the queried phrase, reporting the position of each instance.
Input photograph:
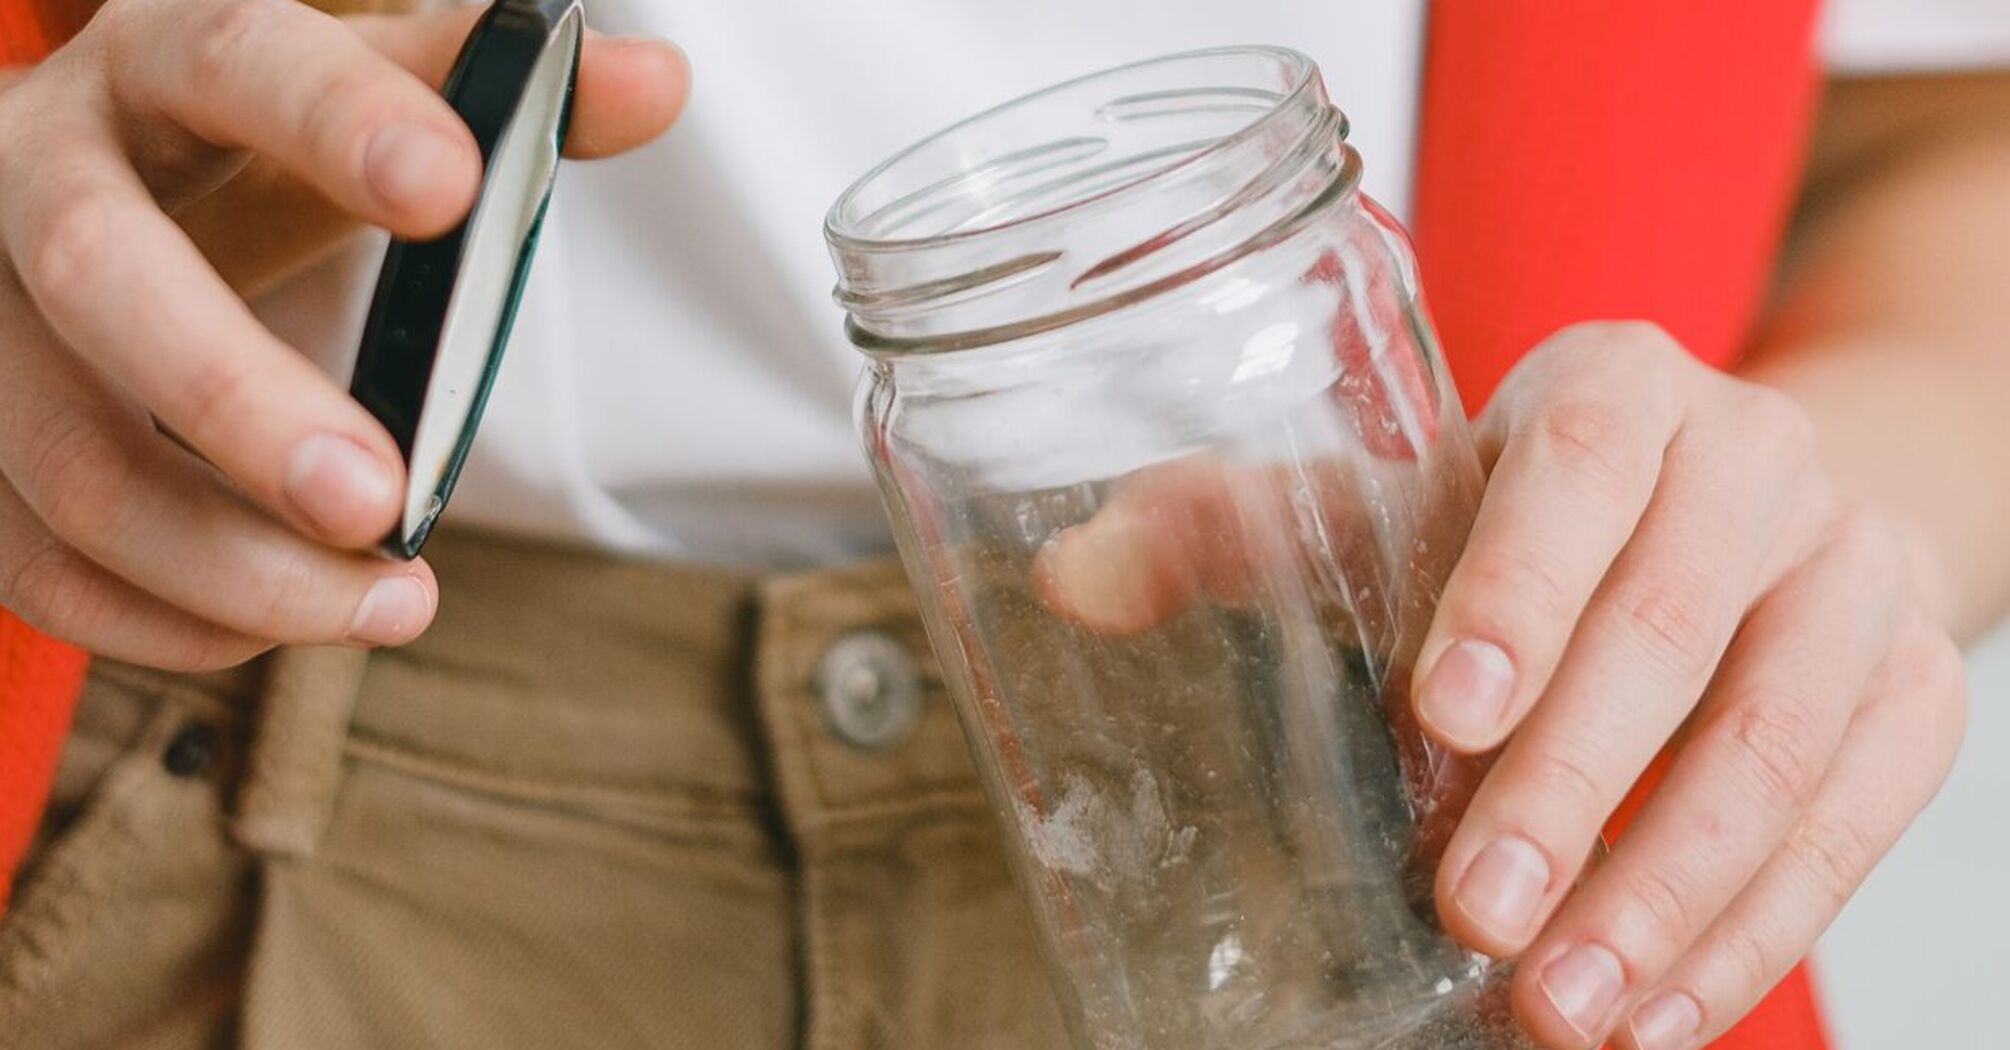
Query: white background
(1921, 958)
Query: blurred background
(1918, 961)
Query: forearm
(1918, 445)
(1893, 329)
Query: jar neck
(1085, 198)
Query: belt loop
(295, 763)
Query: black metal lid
(443, 308)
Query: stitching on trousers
(87, 866)
(951, 802)
(164, 688)
(674, 803)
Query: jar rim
(1086, 197)
(840, 226)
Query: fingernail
(1666, 1022)
(1583, 984)
(394, 611)
(1466, 694)
(1502, 887)
(404, 160)
(338, 484)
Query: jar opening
(1083, 197)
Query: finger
(290, 83)
(1752, 759)
(1639, 659)
(124, 288)
(1581, 434)
(1893, 758)
(60, 592)
(630, 89)
(1167, 536)
(1202, 529)
(105, 483)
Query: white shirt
(678, 384)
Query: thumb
(630, 90)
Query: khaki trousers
(599, 804)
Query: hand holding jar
(1658, 557)
(1302, 702)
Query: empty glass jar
(1177, 475)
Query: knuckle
(1953, 692)
(1513, 589)
(222, 36)
(77, 472)
(115, 18)
(1560, 774)
(1944, 688)
(70, 245)
(1598, 339)
(1954, 704)
(1752, 964)
(1665, 614)
(1867, 543)
(1642, 335)
(219, 390)
(1776, 423)
(290, 600)
(1592, 437)
(1570, 347)
(46, 590)
(1834, 854)
(1944, 670)
(1778, 754)
(334, 122)
(1662, 902)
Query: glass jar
(1177, 475)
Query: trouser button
(869, 690)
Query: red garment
(1585, 159)
(39, 678)
(29, 29)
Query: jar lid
(442, 312)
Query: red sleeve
(39, 678)
(1581, 159)
(30, 29)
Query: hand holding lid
(441, 317)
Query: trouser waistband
(555, 674)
